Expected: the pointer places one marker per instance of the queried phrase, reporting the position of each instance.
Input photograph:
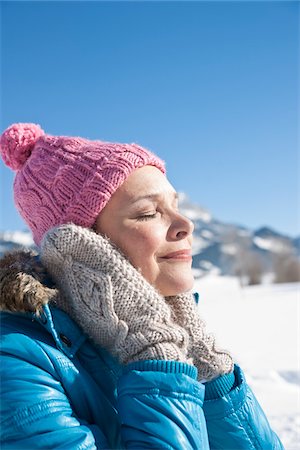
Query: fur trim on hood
(24, 283)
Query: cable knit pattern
(210, 361)
(63, 179)
(109, 298)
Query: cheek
(141, 245)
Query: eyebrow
(153, 196)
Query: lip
(184, 255)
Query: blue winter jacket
(59, 391)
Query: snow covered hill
(260, 325)
(10, 240)
(231, 249)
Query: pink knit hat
(62, 179)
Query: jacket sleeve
(237, 421)
(35, 411)
(160, 405)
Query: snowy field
(260, 325)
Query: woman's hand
(210, 361)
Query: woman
(102, 346)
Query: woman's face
(142, 219)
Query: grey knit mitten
(210, 361)
(109, 298)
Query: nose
(181, 227)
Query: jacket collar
(25, 288)
(66, 333)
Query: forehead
(146, 181)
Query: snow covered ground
(260, 325)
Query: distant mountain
(218, 247)
(10, 240)
(230, 249)
(296, 244)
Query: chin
(176, 287)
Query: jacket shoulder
(26, 340)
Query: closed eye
(146, 217)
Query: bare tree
(255, 268)
(286, 266)
(249, 267)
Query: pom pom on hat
(17, 142)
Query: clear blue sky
(209, 86)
